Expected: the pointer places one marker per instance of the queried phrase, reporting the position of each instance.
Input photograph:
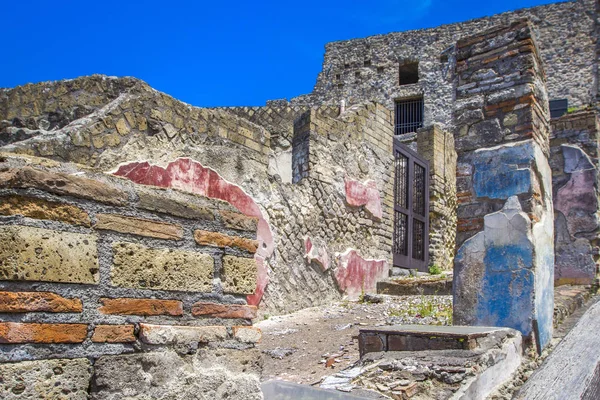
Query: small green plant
(266, 316)
(435, 269)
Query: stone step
(280, 390)
(424, 338)
(416, 286)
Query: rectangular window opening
(409, 115)
(409, 73)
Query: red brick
(16, 332)
(19, 302)
(207, 238)
(113, 334)
(223, 310)
(239, 221)
(126, 306)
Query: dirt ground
(308, 345)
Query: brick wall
(92, 266)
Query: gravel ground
(310, 344)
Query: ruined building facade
(166, 228)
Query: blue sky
(207, 53)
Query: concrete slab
(281, 390)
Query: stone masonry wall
(96, 268)
(504, 267)
(574, 160)
(366, 69)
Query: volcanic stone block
(239, 275)
(46, 379)
(35, 254)
(169, 334)
(140, 267)
(247, 334)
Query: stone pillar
(504, 268)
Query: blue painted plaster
(497, 174)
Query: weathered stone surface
(42, 209)
(113, 334)
(46, 379)
(19, 302)
(239, 221)
(190, 176)
(356, 275)
(138, 266)
(16, 332)
(364, 194)
(212, 374)
(577, 201)
(315, 251)
(126, 306)
(138, 226)
(247, 334)
(35, 254)
(63, 184)
(171, 334)
(175, 204)
(223, 310)
(575, 159)
(207, 238)
(239, 275)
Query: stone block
(35, 254)
(62, 184)
(113, 334)
(210, 374)
(138, 266)
(173, 203)
(46, 379)
(368, 343)
(16, 333)
(216, 310)
(239, 221)
(20, 302)
(138, 226)
(32, 207)
(247, 334)
(126, 306)
(171, 334)
(239, 275)
(206, 238)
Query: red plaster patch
(189, 175)
(364, 194)
(356, 275)
(317, 253)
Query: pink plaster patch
(364, 194)
(577, 201)
(188, 175)
(356, 275)
(316, 253)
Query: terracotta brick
(239, 221)
(63, 184)
(207, 238)
(113, 334)
(127, 306)
(247, 334)
(42, 209)
(139, 226)
(16, 332)
(224, 310)
(18, 302)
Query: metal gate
(411, 209)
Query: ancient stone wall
(368, 69)
(574, 161)
(504, 267)
(437, 147)
(101, 279)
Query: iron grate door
(411, 209)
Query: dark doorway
(411, 209)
